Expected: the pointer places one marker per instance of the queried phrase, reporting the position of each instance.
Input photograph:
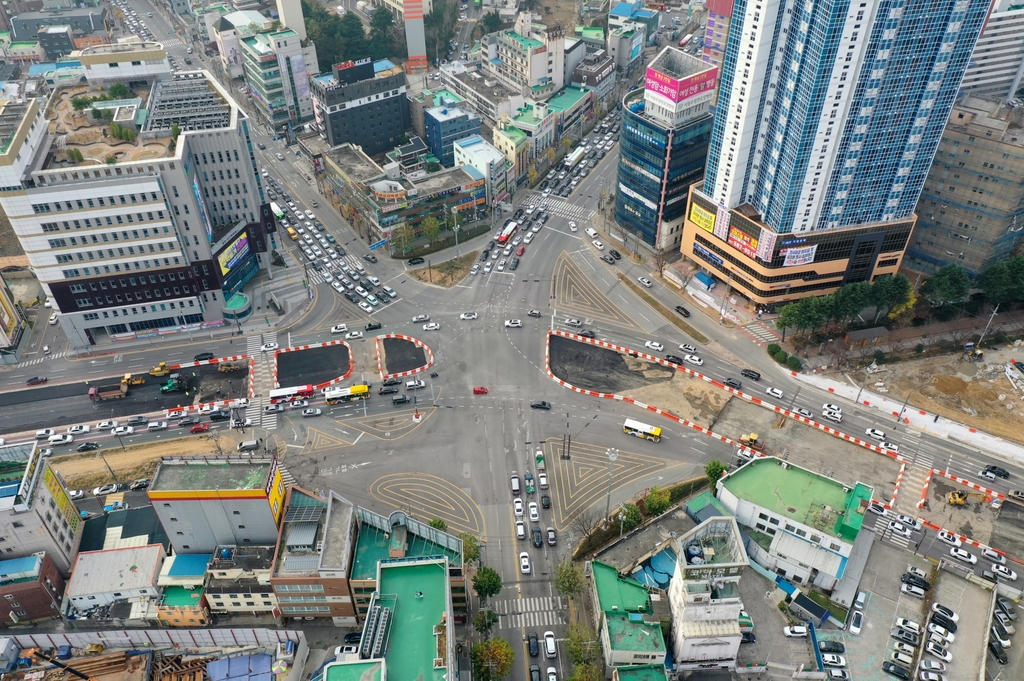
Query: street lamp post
(613, 454)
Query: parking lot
(315, 365)
(402, 355)
(971, 603)
(771, 643)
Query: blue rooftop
(623, 9)
(189, 564)
(382, 65)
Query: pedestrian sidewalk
(917, 418)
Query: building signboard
(705, 254)
(722, 220)
(678, 90)
(234, 254)
(702, 218)
(766, 245)
(65, 506)
(799, 256)
(743, 242)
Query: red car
(200, 428)
(521, 250)
(479, 390)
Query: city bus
(506, 234)
(299, 392)
(335, 394)
(641, 430)
(476, 3)
(686, 40)
(276, 210)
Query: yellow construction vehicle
(160, 370)
(752, 442)
(225, 367)
(959, 497)
(133, 380)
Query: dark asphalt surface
(316, 365)
(595, 368)
(402, 355)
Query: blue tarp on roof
(244, 668)
(189, 565)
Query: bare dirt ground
(975, 520)
(559, 13)
(9, 244)
(81, 471)
(447, 273)
(686, 397)
(979, 394)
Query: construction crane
(959, 497)
(35, 652)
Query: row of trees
(890, 294)
(1002, 283)
(116, 91)
(342, 38)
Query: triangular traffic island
(319, 441)
(429, 496)
(575, 292)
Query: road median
(663, 311)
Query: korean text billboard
(679, 89)
(234, 254)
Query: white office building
(997, 63)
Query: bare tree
(586, 522)
(661, 259)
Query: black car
(388, 390)
(998, 471)
(905, 636)
(997, 651)
(944, 622)
(138, 421)
(261, 145)
(733, 383)
(339, 250)
(682, 310)
(399, 399)
(353, 637)
(519, 214)
(543, 185)
(383, 297)
(537, 537)
(896, 670)
(370, 257)
(540, 404)
(534, 646)
(490, 245)
(545, 501)
(37, 380)
(675, 359)
(831, 647)
(615, 254)
(352, 297)
(588, 334)
(751, 374)
(188, 421)
(88, 447)
(203, 356)
(392, 381)
(914, 580)
(416, 261)
(484, 255)
(608, 259)
(373, 326)
(220, 416)
(513, 264)
(141, 483)
(748, 637)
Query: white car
(795, 632)
(420, 318)
(517, 507)
(157, 425)
(338, 286)
(686, 347)
(806, 413)
(940, 633)
(488, 267)
(891, 446)
(833, 660)
(932, 666)
(774, 392)
(938, 651)
(1004, 572)
(874, 433)
(76, 494)
(963, 555)
(910, 522)
(122, 430)
(520, 529)
(513, 323)
(239, 403)
(78, 430)
(534, 512)
(645, 281)
(339, 328)
(524, 563)
(598, 245)
(468, 315)
(573, 322)
(857, 623)
(365, 306)
(654, 345)
(899, 528)
(474, 269)
(432, 326)
(501, 265)
(831, 407)
(572, 227)
(106, 425)
(241, 423)
(298, 404)
(693, 359)
(176, 414)
(267, 347)
(949, 538)
(352, 335)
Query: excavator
(960, 498)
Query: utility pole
(990, 318)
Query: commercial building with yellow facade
(205, 502)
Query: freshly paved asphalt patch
(595, 368)
(402, 355)
(315, 365)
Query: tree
(715, 469)
(484, 621)
(433, 166)
(550, 153)
(849, 300)
(662, 258)
(586, 523)
(470, 547)
(175, 131)
(491, 21)
(381, 22)
(949, 285)
(111, 159)
(487, 583)
(492, 659)
(350, 30)
(430, 228)
(439, 524)
(569, 579)
(581, 644)
(586, 672)
(888, 292)
(566, 142)
(657, 501)
(1003, 282)
(531, 174)
(119, 91)
(631, 516)
(403, 235)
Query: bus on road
(334, 394)
(641, 430)
(276, 210)
(686, 40)
(506, 234)
(299, 392)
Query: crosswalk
(168, 43)
(264, 379)
(539, 611)
(38, 360)
(569, 211)
(759, 331)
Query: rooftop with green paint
(642, 672)
(801, 495)
(180, 597)
(567, 98)
(615, 593)
(374, 545)
(513, 133)
(201, 473)
(631, 631)
(366, 670)
(523, 41)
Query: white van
(415, 385)
(591, 232)
(832, 416)
(248, 445)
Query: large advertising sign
(766, 245)
(799, 256)
(679, 89)
(702, 218)
(636, 46)
(65, 506)
(742, 242)
(234, 254)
